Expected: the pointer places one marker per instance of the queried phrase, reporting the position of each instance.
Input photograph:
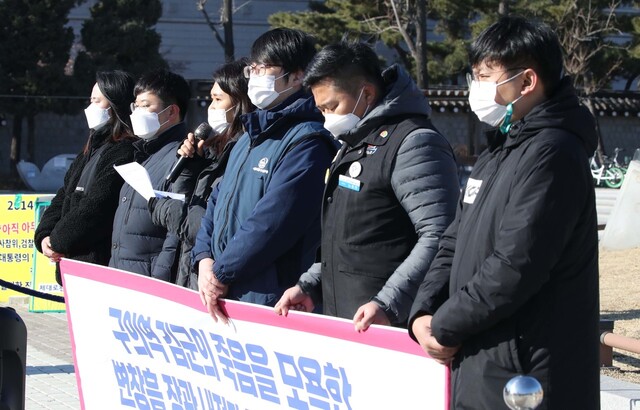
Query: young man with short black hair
(157, 118)
(390, 193)
(514, 287)
(262, 223)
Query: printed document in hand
(135, 175)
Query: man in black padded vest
(391, 191)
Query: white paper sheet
(137, 176)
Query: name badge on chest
(349, 183)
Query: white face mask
(482, 100)
(262, 90)
(338, 124)
(146, 124)
(96, 116)
(217, 118)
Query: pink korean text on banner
(143, 343)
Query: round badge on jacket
(355, 169)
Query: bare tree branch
(402, 29)
(583, 32)
(226, 21)
(200, 4)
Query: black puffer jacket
(80, 217)
(515, 281)
(138, 245)
(379, 240)
(183, 219)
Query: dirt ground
(620, 301)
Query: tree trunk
(600, 149)
(227, 26)
(31, 137)
(503, 7)
(421, 45)
(630, 81)
(16, 144)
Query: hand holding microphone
(188, 149)
(191, 147)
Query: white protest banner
(143, 343)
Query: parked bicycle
(622, 164)
(606, 174)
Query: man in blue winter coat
(390, 194)
(262, 223)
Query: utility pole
(421, 45)
(503, 8)
(227, 26)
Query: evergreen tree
(364, 20)
(34, 50)
(396, 24)
(119, 35)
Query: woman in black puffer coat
(79, 221)
(229, 101)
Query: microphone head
(203, 131)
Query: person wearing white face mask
(78, 222)
(208, 160)
(390, 193)
(514, 287)
(266, 209)
(482, 100)
(157, 117)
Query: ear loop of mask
(358, 101)
(506, 123)
(274, 84)
(166, 108)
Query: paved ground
(51, 380)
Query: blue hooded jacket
(262, 224)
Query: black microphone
(201, 134)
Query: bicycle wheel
(613, 177)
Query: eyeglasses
(470, 77)
(133, 107)
(258, 70)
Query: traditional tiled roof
(456, 99)
(617, 103)
(448, 99)
(606, 103)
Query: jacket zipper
(343, 152)
(126, 216)
(233, 191)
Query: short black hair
(170, 87)
(516, 42)
(346, 64)
(287, 48)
